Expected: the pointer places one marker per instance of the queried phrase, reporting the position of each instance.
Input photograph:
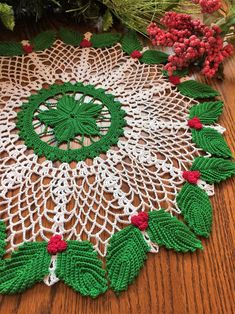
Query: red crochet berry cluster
(136, 54)
(192, 42)
(56, 245)
(85, 43)
(27, 48)
(191, 176)
(208, 6)
(140, 221)
(174, 79)
(195, 123)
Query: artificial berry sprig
(140, 221)
(208, 6)
(192, 41)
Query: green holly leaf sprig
(207, 138)
(78, 266)
(194, 202)
(127, 250)
(74, 38)
(39, 43)
(130, 43)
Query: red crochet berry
(175, 80)
(85, 43)
(191, 176)
(195, 123)
(27, 48)
(136, 54)
(140, 221)
(56, 244)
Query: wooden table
(201, 282)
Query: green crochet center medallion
(71, 122)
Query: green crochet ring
(74, 116)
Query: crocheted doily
(98, 144)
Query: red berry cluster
(28, 48)
(140, 221)
(191, 176)
(85, 43)
(56, 244)
(136, 54)
(192, 41)
(195, 123)
(208, 6)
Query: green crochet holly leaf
(130, 42)
(104, 40)
(43, 40)
(24, 268)
(207, 112)
(70, 37)
(170, 232)
(7, 16)
(179, 73)
(154, 57)
(194, 89)
(211, 141)
(125, 257)
(80, 268)
(214, 170)
(72, 117)
(196, 208)
(2, 239)
(11, 49)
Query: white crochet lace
(92, 199)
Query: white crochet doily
(94, 198)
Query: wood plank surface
(202, 282)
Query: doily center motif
(71, 122)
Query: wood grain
(202, 282)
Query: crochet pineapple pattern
(101, 152)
